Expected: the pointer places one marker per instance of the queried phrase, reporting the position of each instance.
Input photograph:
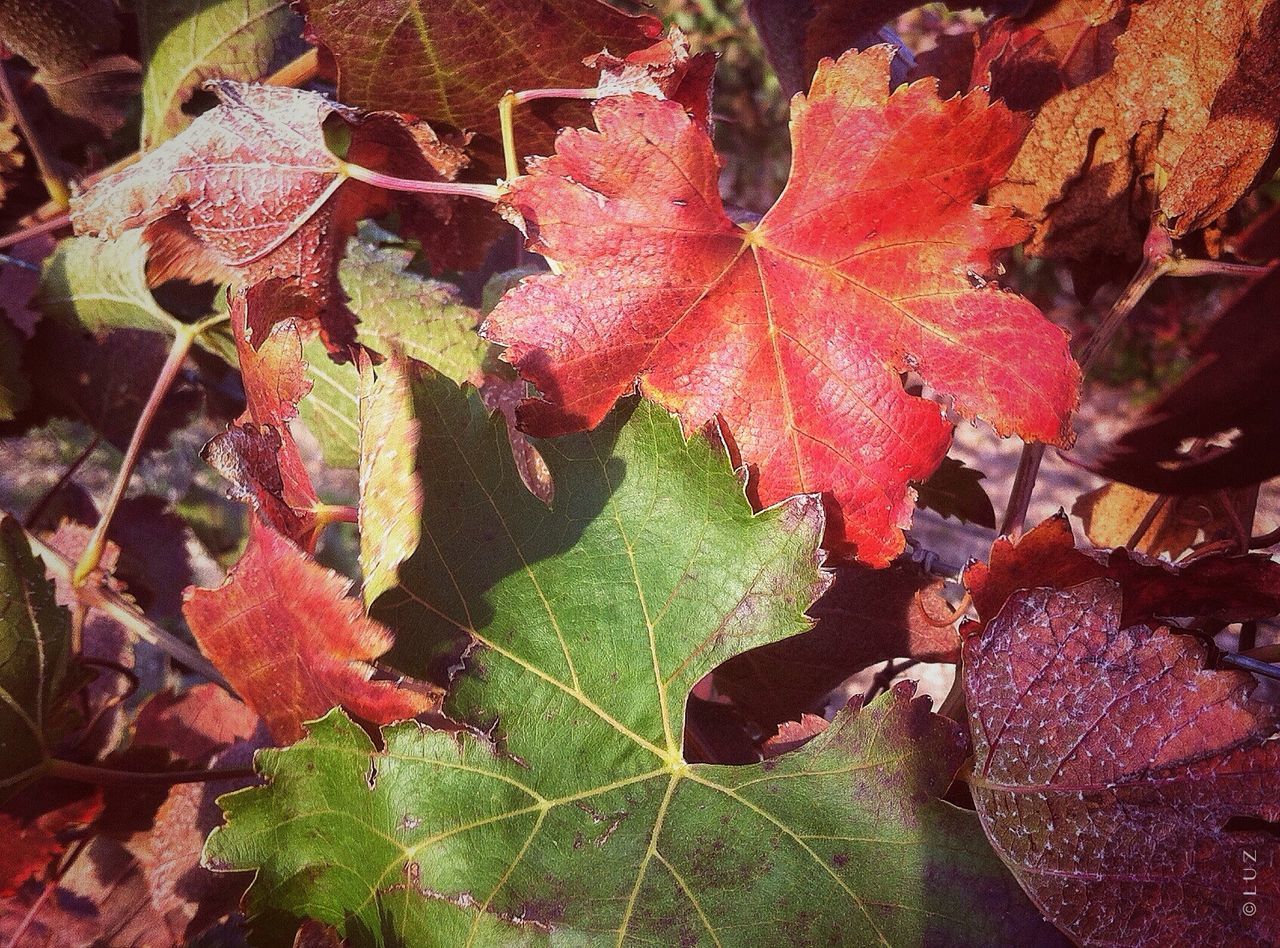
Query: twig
(35, 230)
(1024, 484)
(1245, 663)
(301, 70)
(1148, 518)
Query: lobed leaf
(794, 331)
(565, 810)
(292, 643)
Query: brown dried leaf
(1181, 124)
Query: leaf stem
(327, 514)
(116, 607)
(1186, 267)
(530, 95)
(506, 121)
(86, 773)
(182, 340)
(301, 70)
(53, 182)
(486, 192)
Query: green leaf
(102, 285)
(35, 639)
(331, 409)
(185, 42)
(400, 312)
(15, 390)
(399, 309)
(566, 812)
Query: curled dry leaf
(1118, 779)
(1180, 124)
(75, 46)
(1229, 589)
(251, 192)
(390, 494)
(257, 454)
(665, 70)
(293, 644)
(794, 331)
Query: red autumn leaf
(450, 62)
(251, 190)
(257, 454)
(794, 331)
(1230, 589)
(1108, 768)
(292, 643)
(666, 70)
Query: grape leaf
(401, 310)
(450, 61)
(1187, 111)
(793, 331)
(101, 285)
(1027, 60)
(285, 205)
(1227, 389)
(565, 810)
(185, 42)
(1108, 766)
(666, 70)
(290, 641)
(35, 643)
(1047, 556)
(331, 410)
